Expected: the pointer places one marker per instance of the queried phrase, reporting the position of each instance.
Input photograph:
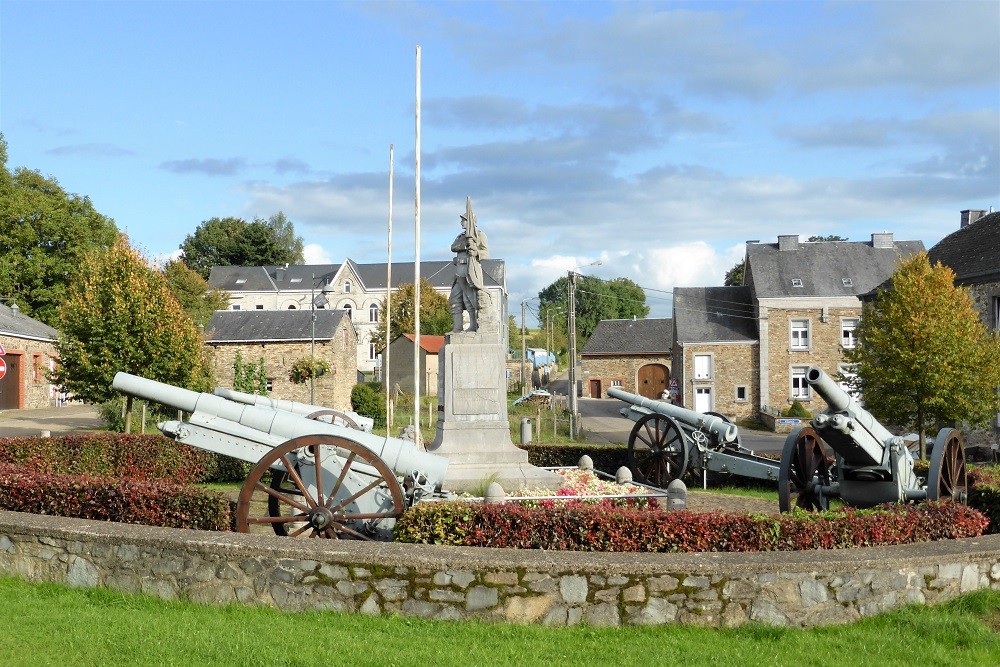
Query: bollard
(494, 493)
(526, 431)
(46, 434)
(623, 475)
(677, 495)
(585, 463)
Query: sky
(646, 140)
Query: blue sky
(655, 138)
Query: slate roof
(440, 274)
(714, 315)
(619, 337)
(972, 252)
(18, 325)
(271, 326)
(823, 267)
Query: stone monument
(473, 430)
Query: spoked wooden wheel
(355, 496)
(947, 478)
(657, 450)
(803, 468)
(330, 416)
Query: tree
(44, 232)
(249, 377)
(435, 315)
(596, 300)
(923, 354)
(825, 239)
(121, 316)
(734, 276)
(192, 292)
(235, 242)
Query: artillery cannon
(310, 478)
(668, 440)
(872, 465)
(318, 412)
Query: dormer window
(796, 282)
(847, 282)
(295, 280)
(241, 281)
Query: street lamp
(315, 301)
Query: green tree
(192, 292)
(435, 316)
(825, 239)
(923, 354)
(596, 300)
(236, 242)
(44, 233)
(249, 377)
(121, 316)
(734, 276)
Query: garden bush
(365, 400)
(602, 528)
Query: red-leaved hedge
(126, 500)
(589, 528)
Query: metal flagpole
(416, 272)
(388, 309)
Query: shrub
(796, 411)
(366, 401)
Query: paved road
(68, 419)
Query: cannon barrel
(725, 431)
(851, 430)
(250, 427)
(305, 409)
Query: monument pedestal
(473, 430)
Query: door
(595, 388)
(653, 380)
(10, 383)
(703, 399)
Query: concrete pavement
(71, 418)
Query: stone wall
(610, 369)
(733, 365)
(984, 299)
(27, 361)
(543, 587)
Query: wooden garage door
(10, 384)
(653, 380)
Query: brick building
(281, 338)
(631, 354)
(29, 351)
(973, 253)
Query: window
(241, 281)
(347, 287)
(291, 306)
(847, 372)
(348, 308)
(269, 385)
(848, 338)
(996, 312)
(235, 306)
(847, 282)
(800, 389)
(37, 368)
(371, 351)
(702, 366)
(800, 334)
(796, 282)
(373, 313)
(741, 394)
(259, 306)
(616, 383)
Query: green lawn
(52, 625)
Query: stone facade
(986, 300)
(332, 390)
(620, 371)
(731, 382)
(25, 384)
(511, 586)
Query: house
(359, 289)
(281, 338)
(805, 305)
(716, 355)
(973, 253)
(633, 355)
(401, 363)
(28, 352)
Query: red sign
(3, 368)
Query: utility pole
(524, 351)
(571, 326)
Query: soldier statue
(469, 247)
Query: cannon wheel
(728, 421)
(803, 465)
(948, 479)
(296, 510)
(657, 450)
(334, 414)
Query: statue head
(465, 222)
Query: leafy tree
(120, 316)
(44, 232)
(824, 239)
(923, 354)
(192, 292)
(596, 300)
(236, 242)
(249, 377)
(734, 276)
(435, 315)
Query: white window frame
(746, 393)
(797, 385)
(372, 352)
(848, 370)
(849, 324)
(373, 313)
(347, 287)
(235, 306)
(802, 327)
(711, 363)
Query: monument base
(473, 430)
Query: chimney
(970, 216)
(788, 242)
(883, 240)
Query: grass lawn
(46, 624)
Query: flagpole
(416, 272)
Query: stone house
(633, 355)
(28, 352)
(973, 253)
(401, 363)
(359, 289)
(716, 350)
(281, 338)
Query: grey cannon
(668, 440)
(872, 465)
(310, 478)
(318, 412)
